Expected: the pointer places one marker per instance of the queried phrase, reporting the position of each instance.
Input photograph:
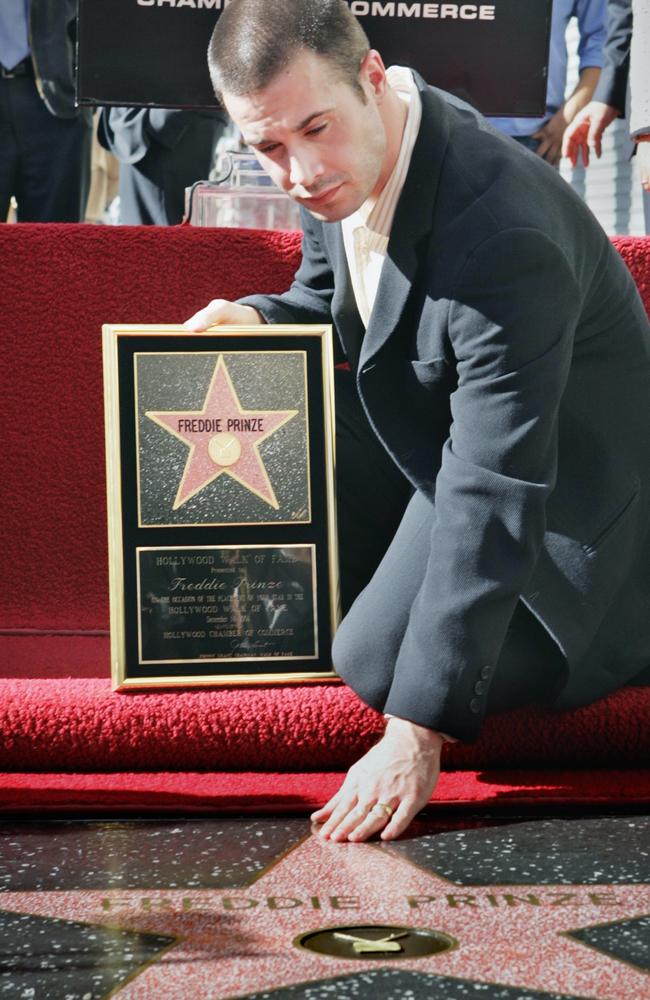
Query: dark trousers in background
(384, 532)
(44, 160)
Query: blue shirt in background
(14, 37)
(591, 15)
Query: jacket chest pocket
(429, 374)
(416, 393)
(428, 386)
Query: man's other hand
(550, 138)
(220, 312)
(399, 773)
(643, 163)
(586, 131)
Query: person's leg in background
(8, 149)
(53, 158)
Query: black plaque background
(271, 534)
(156, 56)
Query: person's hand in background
(585, 132)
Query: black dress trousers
(44, 160)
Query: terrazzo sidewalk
(510, 910)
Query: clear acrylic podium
(245, 198)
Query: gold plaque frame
(220, 458)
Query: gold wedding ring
(382, 808)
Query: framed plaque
(221, 504)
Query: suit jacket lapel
(412, 223)
(345, 314)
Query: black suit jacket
(506, 369)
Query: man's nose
(304, 169)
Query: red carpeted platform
(58, 724)
(201, 793)
(67, 742)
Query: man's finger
(553, 155)
(571, 151)
(356, 819)
(406, 811)
(199, 322)
(221, 311)
(576, 150)
(375, 820)
(575, 142)
(344, 807)
(594, 138)
(322, 813)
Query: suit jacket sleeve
(612, 84)
(511, 327)
(52, 38)
(309, 299)
(129, 132)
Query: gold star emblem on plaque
(223, 438)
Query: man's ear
(372, 75)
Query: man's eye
(271, 148)
(317, 129)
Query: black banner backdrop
(153, 52)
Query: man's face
(315, 135)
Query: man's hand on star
(400, 772)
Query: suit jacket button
(485, 672)
(480, 687)
(475, 706)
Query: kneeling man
(493, 452)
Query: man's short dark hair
(255, 39)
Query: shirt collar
(377, 213)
